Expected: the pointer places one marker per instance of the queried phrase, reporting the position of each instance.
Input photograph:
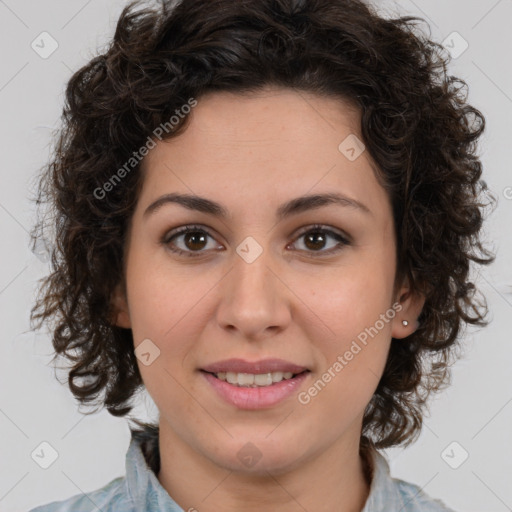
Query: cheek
(352, 361)
(350, 298)
(162, 295)
(354, 335)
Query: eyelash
(317, 228)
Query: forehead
(273, 144)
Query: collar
(384, 493)
(142, 466)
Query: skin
(252, 153)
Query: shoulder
(107, 499)
(416, 500)
(389, 493)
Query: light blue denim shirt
(140, 491)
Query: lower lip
(255, 398)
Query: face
(301, 284)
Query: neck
(336, 479)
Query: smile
(251, 380)
(243, 390)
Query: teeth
(253, 381)
(263, 379)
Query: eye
(195, 239)
(315, 239)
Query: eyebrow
(292, 207)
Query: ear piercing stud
(405, 323)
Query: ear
(411, 305)
(121, 315)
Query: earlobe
(406, 321)
(121, 313)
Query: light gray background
(476, 411)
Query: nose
(255, 300)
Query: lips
(254, 398)
(256, 367)
(257, 384)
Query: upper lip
(255, 367)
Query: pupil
(317, 245)
(193, 237)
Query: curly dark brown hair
(415, 122)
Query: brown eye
(317, 238)
(193, 240)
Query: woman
(265, 214)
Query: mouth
(254, 385)
(251, 380)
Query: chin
(257, 457)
